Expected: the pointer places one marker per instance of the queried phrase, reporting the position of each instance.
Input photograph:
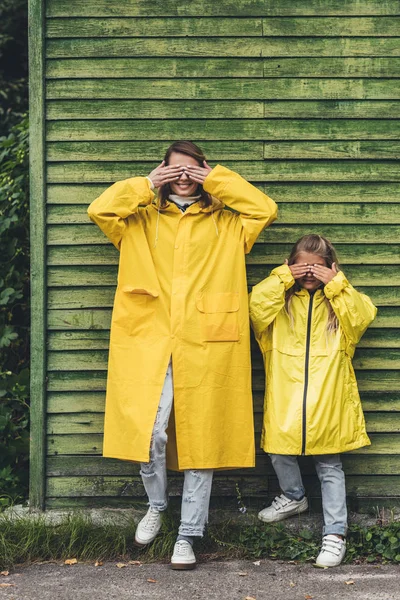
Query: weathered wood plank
(332, 67)
(117, 151)
(356, 254)
(333, 150)
(74, 68)
(74, 466)
(76, 172)
(365, 234)
(91, 445)
(362, 485)
(229, 8)
(246, 47)
(219, 151)
(222, 27)
(224, 89)
(339, 193)
(103, 297)
(232, 109)
(95, 381)
(99, 340)
(94, 402)
(98, 276)
(90, 360)
(206, 130)
(184, 27)
(288, 213)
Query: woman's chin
(184, 191)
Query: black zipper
(308, 340)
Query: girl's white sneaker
(183, 557)
(282, 508)
(332, 552)
(148, 528)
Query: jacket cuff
(219, 175)
(336, 285)
(285, 275)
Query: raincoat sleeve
(355, 311)
(117, 203)
(256, 210)
(268, 298)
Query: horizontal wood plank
(220, 151)
(251, 47)
(229, 8)
(207, 130)
(228, 109)
(224, 89)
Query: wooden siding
(299, 97)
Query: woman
(179, 346)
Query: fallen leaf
(292, 584)
(121, 565)
(257, 563)
(70, 561)
(242, 574)
(308, 597)
(135, 562)
(7, 584)
(349, 582)
(5, 573)
(249, 598)
(98, 563)
(152, 580)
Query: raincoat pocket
(219, 316)
(134, 310)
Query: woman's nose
(184, 177)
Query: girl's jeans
(330, 473)
(197, 484)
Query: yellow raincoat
(312, 404)
(182, 292)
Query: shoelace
(151, 521)
(332, 546)
(182, 548)
(279, 502)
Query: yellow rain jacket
(312, 404)
(182, 292)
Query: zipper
(308, 341)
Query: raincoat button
(176, 247)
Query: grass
(26, 540)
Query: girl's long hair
(190, 149)
(313, 244)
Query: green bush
(14, 313)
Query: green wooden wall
(301, 98)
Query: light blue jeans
(333, 488)
(197, 483)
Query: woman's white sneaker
(332, 552)
(148, 527)
(282, 508)
(183, 557)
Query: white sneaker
(148, 527)
(282, 508)
(332, 551)
(183, 557)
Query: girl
(180, 339)
(308, 319)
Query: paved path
(233, 580)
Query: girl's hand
(197, 173)
(298, 271)
(162, 174)
(324, 274)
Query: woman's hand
(324, 274)
(165, 174)
(298, 271)
(197, 173)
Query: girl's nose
(184, 177)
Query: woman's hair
(190, 149)
(313, 244)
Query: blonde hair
(313, 244)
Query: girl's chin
(187, 191)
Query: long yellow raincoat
(182, 292)
(312, 404)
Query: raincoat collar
(193, 209)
